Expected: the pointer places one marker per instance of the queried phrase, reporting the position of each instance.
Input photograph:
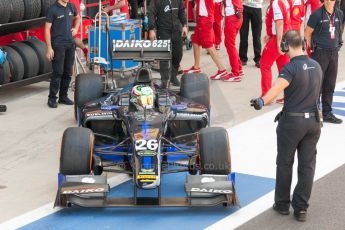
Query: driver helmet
(143, 95)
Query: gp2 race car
(145, 131)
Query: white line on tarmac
(241, 216)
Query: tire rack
(14, 27)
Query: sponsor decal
(96, 114)
(152, 177)
(88, 180)
(109, 107)
(82, 191)
(146, 171)
(147, 153)
(211, 190)
(305, 67)
(141, 44)
(167, 9)
(141, 145)
(295, 11)
(207, 180)
(146, 181)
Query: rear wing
(141, 50)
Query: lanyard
(331, 22)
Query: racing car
(145, 131)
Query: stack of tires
(24, 60)
(19, 10)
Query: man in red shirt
(121, 5)
(310, 7)
(277, 23)
(233, 23)
(217, 24)
(297, 9)
(203, 37)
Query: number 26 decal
(141, 145)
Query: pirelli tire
(214, 151)
(17, 10)
(5, 73)
(15, 62)
(88, 87)
(45, 66)
(45, 4)
(196, 87)
(32, 9)
(76, 151)
(29, 57)
(5, 11)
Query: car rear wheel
(196, 87)
(214, 150)
(88, 87)
(76, 151)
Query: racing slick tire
(5, 11)
(29, 57)
(5, 73)
(45, 66)
(17, 10)
(76, 151)
(45, 6)
(214, 150)
(32, 9)
(196, 87)
(16, 63)
(88, 87)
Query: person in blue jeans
(62, 23)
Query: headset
(284, 45)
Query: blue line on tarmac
(249, 188)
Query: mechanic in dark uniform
(299, 125)
(323, 35)
(168, 18)
(62, 23)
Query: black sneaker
(243, 62)
(330, 118)
(52, 103)
(280, 211)
(65, 101)
(174, 81)
(300, 215)
(257, 64)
